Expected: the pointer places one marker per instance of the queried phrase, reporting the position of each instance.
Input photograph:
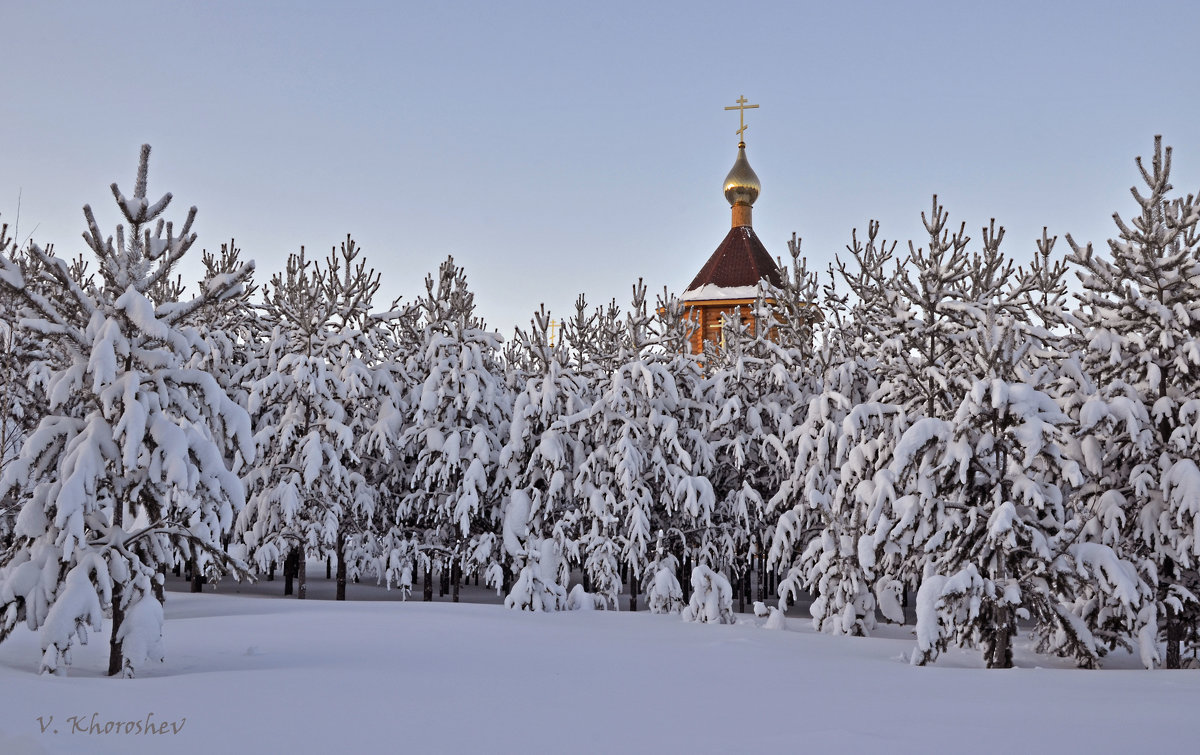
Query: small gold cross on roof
(741, 107)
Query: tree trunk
(916, 588)
(197, 578)
(686, 581)
(159, 593)
(290, 565)
(633, 590)
(1173, 626)
(1174, 639)
(302, 578)
(455, 578)
(428, 597)
(341, 567)
(329, 565)
(762, 578)
(116, 658)
(1001, 650)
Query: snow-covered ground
(252, 672)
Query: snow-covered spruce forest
(1001, 441)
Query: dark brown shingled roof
(740, 260)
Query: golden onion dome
(741, 185)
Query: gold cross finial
(741, 107)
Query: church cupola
(740, 269)
(741, 185)
(741, 188)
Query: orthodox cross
(554, 326)
(741, 107)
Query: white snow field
(252, 672)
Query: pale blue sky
(559, 148)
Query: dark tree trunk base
(999, 653)
(159, 592)
(197, 584)
(116, 658)
(291, 565)
(341, 567)
(1174, 640)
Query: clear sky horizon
(563, 148)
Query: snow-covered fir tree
(748, 459)
(539, 459)
(842, 448)
(691, 523)
(825, 505)
(1139, 321)
(989, 503)
(230, 331)
(25, 359)
(920, 319)
(646, 458)
(761, 379)
(312, 398)
(460, 407)
(133, 466)
(387, 549)
(591, 347)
